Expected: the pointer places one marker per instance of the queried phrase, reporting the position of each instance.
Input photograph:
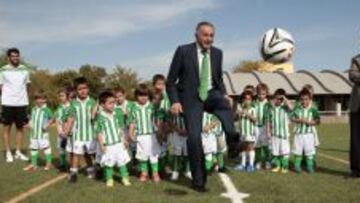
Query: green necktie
(204, 77)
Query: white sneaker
(21, 156)
(258, 166)
(175, 175)
(268, 165)
(188, 175)
(9, 157)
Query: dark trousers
(355, 143)
(193, 113)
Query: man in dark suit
(194, 85)
(354, 75)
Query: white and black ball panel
(277, 46)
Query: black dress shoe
(354, 175)
(200, 189)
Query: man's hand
(176, 108)
(230, 100)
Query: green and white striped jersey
(40, 117)
(61, 112)
(110, 126)
(81, 111)
(308, 114)
(122, 117)
(179, 122)
(143, 118)
(208, 119)
(218, 130)
(247, 127)
(164, 108)
(127, 106)
(278, 117)
(261, 108)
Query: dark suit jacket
(354, 75)
(183, 79)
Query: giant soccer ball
(277, 46)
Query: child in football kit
(277, 126)
(80, 128)
(60, 118)
(142, 131)
(110, 135)
(220, 147)
(208, 139)
(163, 121)
(262, 148)
(247, 133)
(41, 119)
(179, 147)
(305, 118)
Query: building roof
(324, 82)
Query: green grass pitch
(328, 184)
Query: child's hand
(126, 144)
(103, 148)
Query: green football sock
(276, 161)
(267, 153)
(144, 166)
(310, 163)
(109, 173)
(258, 154)
(208, 162)
(155, 167)
(62, 159)
(123, 171)
(176, 163)
(186, 164)
(34, 157)
(220, 159)
(297, 163)
(285, 162)
(48, 158)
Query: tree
(65, 78)
(248, 66)
(96, 76)
(124, 77)
(43, 80)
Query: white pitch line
(334, 158)
(36, 189)
(231, 192)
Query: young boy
(60, 118)
(141, 130)
(247, 132)
(262, 105)
(122, 102)
(220, 147)
(41, 119)
(79, 125)
(110, 135)
(305, 117)
(164, 120)
(179, 147)
(277, 124)
(208, 139)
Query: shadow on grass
(320, 169)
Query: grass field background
(330, 183)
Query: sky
(143, 34)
